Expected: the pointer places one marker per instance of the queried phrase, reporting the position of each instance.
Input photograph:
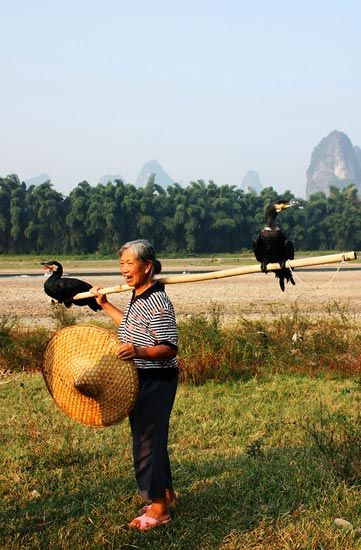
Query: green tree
(45, 228)
(7, 185)
(77, 219)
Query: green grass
(21, 348)
(247, 473)
(265, 443)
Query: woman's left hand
(127, 352)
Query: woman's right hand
(101, 299)
(114, 312)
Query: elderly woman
(148, 335)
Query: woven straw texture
(85, 377)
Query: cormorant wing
(290, 250)
(67, 287)
(258, 248)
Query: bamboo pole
(232, 272)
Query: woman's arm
(153, 353)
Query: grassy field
(265, 438)
(247, 469)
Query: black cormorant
(63, 289)
(272, 245)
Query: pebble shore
(255, 296)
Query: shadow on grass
(217, 496)
(237, 493)
(84, 489)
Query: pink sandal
(147, 523)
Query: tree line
(199, 218)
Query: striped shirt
(149, 320)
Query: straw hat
(86, 378)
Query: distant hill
(111, 177)
(37, 180)
(357, 154)
(251, 181)
(334, 162)
(153, 167)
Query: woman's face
(135, 272)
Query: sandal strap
(146, 522)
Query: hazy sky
(211, 89)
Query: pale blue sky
(211, 89)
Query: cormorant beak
(288, 204)
(296, 204)
(48, 267)
(281, 206)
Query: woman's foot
(145, 522)
(171, 500)
(156, 514)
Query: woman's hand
(101, 299)
(127, 352)
(114, 312)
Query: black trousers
(149, 422)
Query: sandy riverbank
(253, 296)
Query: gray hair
(144, 251)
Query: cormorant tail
(282, 275)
